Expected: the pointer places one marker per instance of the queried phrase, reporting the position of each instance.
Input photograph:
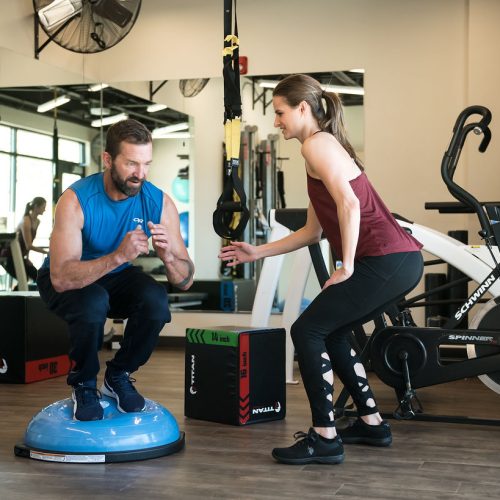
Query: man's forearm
(79, 274)
(180, 273)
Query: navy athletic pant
(321, 333)
(128, 294)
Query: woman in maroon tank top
(380, 264)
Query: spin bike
(407, 357)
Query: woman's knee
(299, 331)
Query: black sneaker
(359, 432)
(311, 448)
(119, 385)
(86, 401)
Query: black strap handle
(231, 215)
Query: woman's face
(40, 209)
(286, 118)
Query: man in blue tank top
(102, 223)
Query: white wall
(425, 61)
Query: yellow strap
(228, 51)
(228, 137)
(236, 136)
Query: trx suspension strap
(231, 215)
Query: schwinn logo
(192, 388)
(475, 297)
(136, 219)
(472, 338)
(267, 409)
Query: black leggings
(31, 271)
(128, 294)
(321, 333)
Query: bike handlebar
(452, 155)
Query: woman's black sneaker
(359, 432)
(311, 448)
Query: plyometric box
(34, 342)
(235, 375)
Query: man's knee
(155, 301)
(90, 304)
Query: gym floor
(427, 459)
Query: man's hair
(128, 130)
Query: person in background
(380, 263)
(102, 223)
(26, 230)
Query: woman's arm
(26, 231)
(239, 252)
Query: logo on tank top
(137, 220)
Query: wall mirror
(186, 157)
(51, 136)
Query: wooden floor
(427, 460)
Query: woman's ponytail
(334, 123)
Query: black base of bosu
(21, 450)
(235, 375)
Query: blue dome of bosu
(53, 435)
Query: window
(70, 151)
(5, 191)
(41, 170)
(5, 139)
(34, 144)
(27, 170)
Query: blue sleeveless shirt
(106, 222)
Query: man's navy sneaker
(86, 401)
(311, 448)
(119, 385)
(359, 432)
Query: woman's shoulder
(322, 141)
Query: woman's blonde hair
(297, 88)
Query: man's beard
(121, 184)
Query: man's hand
(160, 241)
(134, 244)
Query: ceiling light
(108, 120)
(343, 89)
(357, 70)
(152, 108)
(339, 89)
(97, 86)
(54, 103)
(100, 111)
(172, 135)
(176, 127)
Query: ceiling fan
(86, 26)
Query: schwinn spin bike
(407, 357)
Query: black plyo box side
(235, 375)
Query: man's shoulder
(90, 182)
(151, 190)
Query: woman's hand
(238, 252)
(339, 275)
